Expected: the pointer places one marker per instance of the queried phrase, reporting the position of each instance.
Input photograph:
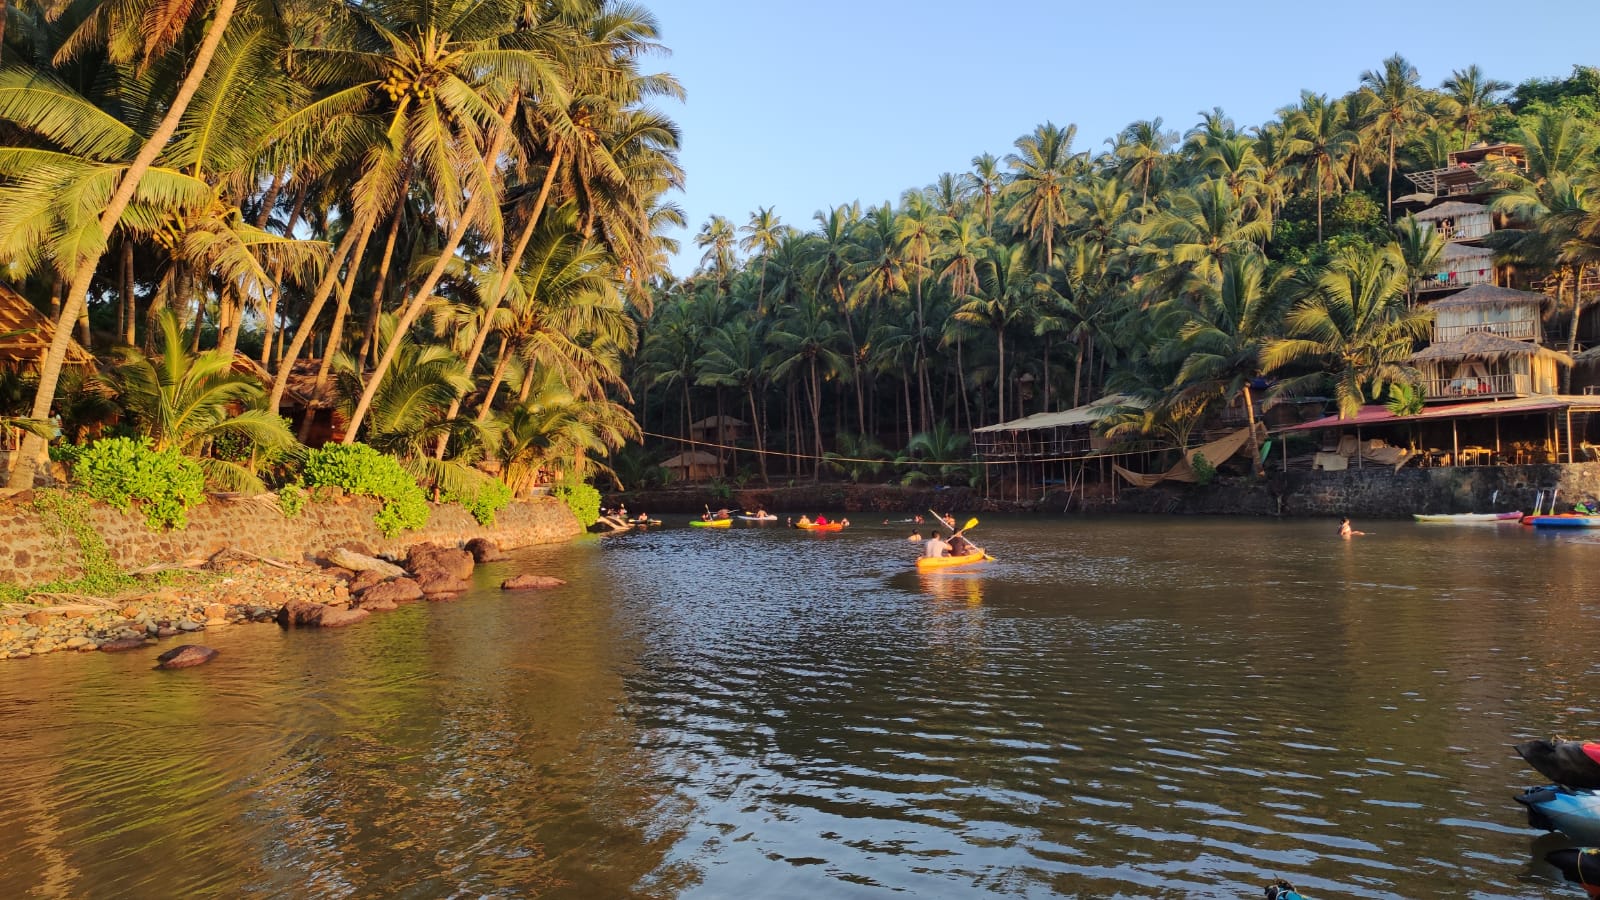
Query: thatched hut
(693, 465)
(1485, 307)
(25, 335)
(1482, 364)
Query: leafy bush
(581, 498)
(1204, 471)
(120, 471)
(291, 500)
(359, 469)
(489, 496)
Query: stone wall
(1372, 492)
(30, 555)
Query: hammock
(1215, 453)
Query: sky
(803, 105)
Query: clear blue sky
(806, 105)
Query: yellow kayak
(714, 523)
(946, 562)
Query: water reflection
(1119, 708)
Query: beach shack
(693, 465)
(25, 335)
(718, 430)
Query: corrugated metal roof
(1380, 415)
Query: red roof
(1380, 415)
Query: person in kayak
(960, 546)
(1346, 532)
(936, 547)
(822, 520)
(804, 521)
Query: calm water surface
(1117, 708)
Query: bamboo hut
(1483, 365)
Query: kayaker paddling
(936, 548)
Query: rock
(458, 563)
(382, 604)
(339, 572)
(436, 583)
(363, 581)
(187, 625)
(185, 657)
(163, 631)
(300, 614)
(530, 582)
(216, 611)
(74, 643)
(400, 590)
(37, 617)
(358, 562)
(132, 611)
(484, 550)
(121, 644)
(89, 647)
(338, 618)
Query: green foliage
(1204, 471)
(581, 498)
(291, 500)
(483, 499)
(1405, 399)
(122, 471)
(361, 470)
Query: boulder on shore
(422, 557)
(364, 581)
(484, 550)
(437, 583)
(399, 590)
(530, 582)
(358, 562)
(185, 657)
(303, 614)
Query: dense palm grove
(1180, 270)
(447, 211)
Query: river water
(1131, 707)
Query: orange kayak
(831, 526)
(946, 562)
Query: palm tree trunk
(369, 334)
(1319, 201)
(1572, 335)
(414, 308)
(130, 303)
(502, 285)
(816, 419)
(1077, 374)
(342, 308)
(1390, 209)
(1250, 422)
(269, 318)
(755, 424)
(1000, 381)
(308, 322)
(78, 294)
(499, 375)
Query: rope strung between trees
(895, 462)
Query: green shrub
(1204, 471)
(291, 500)
(488, 497)
(581, 498)
(121, 471)
(361, 470)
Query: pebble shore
(341, 587)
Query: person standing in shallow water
(1346, 532)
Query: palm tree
(986, 181)
(761, 238)
(1323, 144)
(1007, 292)
(1141, 149)
(1421, 246)
(1470, 97)
(1352, 325)
(1401, 107)
(186, 402)
(1040, 189)
(718, 238)
(733, 359)
(806, 343)
(1224, 335)
(28, 107)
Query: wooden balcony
(1483, 388)
(1466, 231)
(1455, 280)
(1517, 329)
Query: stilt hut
(1484, 365)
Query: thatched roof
(711, 422)
(25, 335)
(1087, 414)
(1487, 296)
(690, 458)
(1489, 347)
(1465, 251)
(1449, 209)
